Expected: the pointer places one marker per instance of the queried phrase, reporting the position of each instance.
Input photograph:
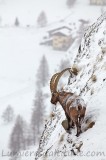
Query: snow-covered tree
(37, 114)
(70, 3)
(8, 114)
(16, 22)
(38, 111)
(18, 138)
(43, 72)
(42, 19)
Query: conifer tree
(37, 118)
(17, 138)
(8, 114)
(43, 72)
(70, 3)
(16, 22)
(42, 19)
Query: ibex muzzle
(54, 98)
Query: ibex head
(53, 86)
(54, 98)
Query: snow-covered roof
(64, 31)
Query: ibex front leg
(70, 122)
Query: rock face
(90, 84)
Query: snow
(93, 140)
(20, 54)
(28, 10)
(64, 31)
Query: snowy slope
(92, 61)
(20, 52)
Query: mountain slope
(92, 63)
(20, 52)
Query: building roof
(95, 2)
(64, 30)
(84, 21)
(58, 34)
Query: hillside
(20, 53)
(55, 142)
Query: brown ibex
(71, 103)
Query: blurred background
(37, 39)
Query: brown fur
(74, 115)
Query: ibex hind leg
(78, 131)
(69, 128)
(72, 124)
(78, 125)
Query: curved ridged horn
(52, 82)
(55, 79)
(59, 76)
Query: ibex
(71, 103)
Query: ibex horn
(52, 82)
(55, 79)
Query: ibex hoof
(72, 127)
(77, 135)
(68, 131)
